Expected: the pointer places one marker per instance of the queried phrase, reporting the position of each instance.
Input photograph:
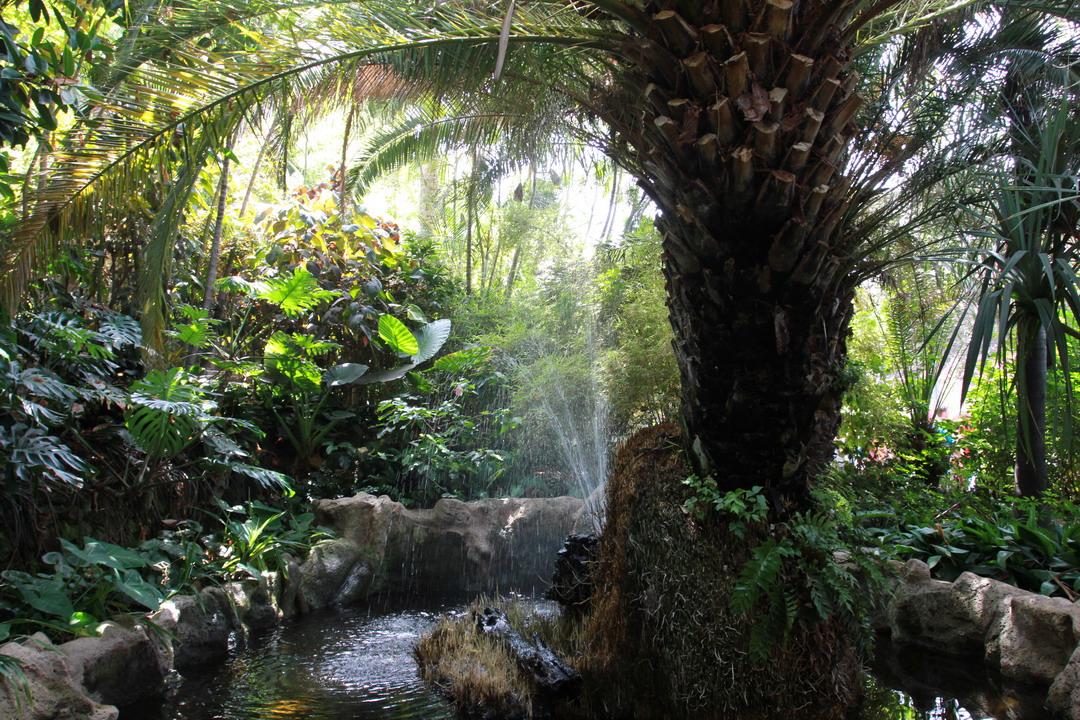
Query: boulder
(121, 666)
(51, 690)
(1064, 696)
(335, 573)
(200, 625)
(928, 613)
(1037, 637)
(453, 548)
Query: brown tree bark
(736, 117)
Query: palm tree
(741, 120)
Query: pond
(356, 665)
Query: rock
(51, 691)
(1037, 638)
(959, 618)
(334, 573)
(930, 614)
(451, 549)
(202, 627)
(120, 667)
(1064, 696)
(572, 583)
(915, 571)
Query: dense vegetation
(204, 327)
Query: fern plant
(806, 570)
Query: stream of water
(357, 665)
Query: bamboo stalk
(736, 70)
(699, 69)
(676, 32)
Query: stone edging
(1028, 637)
(381, 548)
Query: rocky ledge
(380, 547)
(1030, 638)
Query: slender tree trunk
(255, 172)
(209, 295)
(470, 217)
(1031, 409)
(343, 201)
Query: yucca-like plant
(1029, 286)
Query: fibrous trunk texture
(664, 641)
(735, 117)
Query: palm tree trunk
(1031, 409)
(737, 119)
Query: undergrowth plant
(810, 568)
(1014, 543)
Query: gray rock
(333, 574)
(1038, 635)
(51, 691)
(202, 627)
(930, 614)
(453, 548)
(1064, 696)
(121, 666)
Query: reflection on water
(353, 665)
(910, 684)
(357, 665)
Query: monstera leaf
(166, 412)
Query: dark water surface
(356, 665)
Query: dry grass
(476, 672)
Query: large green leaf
(165, 412)
(430, 338)
(344, 374)
(397, 336)
(296, 294)
(285, 361)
